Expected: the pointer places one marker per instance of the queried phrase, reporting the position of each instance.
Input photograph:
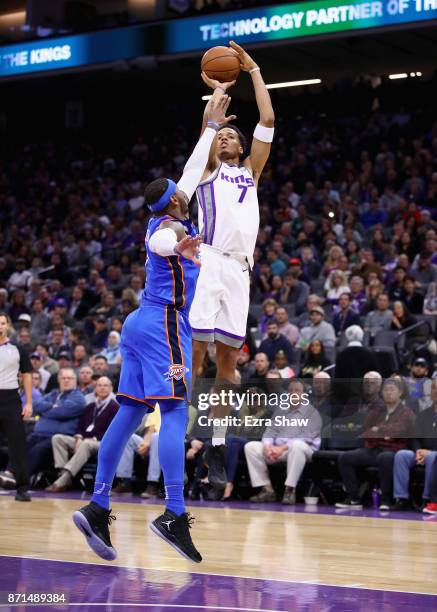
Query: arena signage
(281, 22)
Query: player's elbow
(268, 120)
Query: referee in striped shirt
(12, 361)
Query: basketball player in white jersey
(229, 223)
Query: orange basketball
(221, 63)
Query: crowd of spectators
(346, 252)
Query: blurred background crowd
(344, 282)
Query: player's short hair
(241, 137)
(155, 190)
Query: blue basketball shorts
(156, 355)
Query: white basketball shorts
(221, 302)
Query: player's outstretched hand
(213, 83)
(188, 247)
(246, 62)
(217, 111)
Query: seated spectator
(64, 361)
(386, 431)
(423, 452)
(407, 400)
(286, 328)
(35, 360)
(380, 319)
(321, 396)
(85, 383)
(24, 340)
(317, 330)
(269, 308)
(315, 360)
(70, 453)
(396, 288)
(424, 271)
(276, 292)
(401, 318)
(332, 261)
(335, 286)
(79, 307)
(430, 301)
(100, 336)
(303, 320)
(419, 384)
(49, 364)
(21, 278)
(275, 342)
(277, 265)
(100, 366)
(357, 294)
(262, 366)
(36, 388)
(294, 292)
(59, 412)
(39, 321)
(112, 351)
(56, 344)
(143, 445)
(282, 365)
(80, 356)
(345, 316)
(310, 267)
(283, 442)
(244, 366)
(412, 298)
(60, 308)
(373, 291)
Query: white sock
(219, 434)
(218, 441)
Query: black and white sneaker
(93, 521)
(350, 503)
(175, 530)
(215, 460)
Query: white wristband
(263, 133)
(254, 69)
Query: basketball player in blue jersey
(228, 223)
(156, 347)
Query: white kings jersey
(228, 210)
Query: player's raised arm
(263, 135)
(195, 166)
(218, 90)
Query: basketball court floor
(256, 558)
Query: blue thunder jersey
(169, 280)
(156, 337)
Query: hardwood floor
(327, 549)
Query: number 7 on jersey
(243, 192)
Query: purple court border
(84, 583)
(243, 505)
